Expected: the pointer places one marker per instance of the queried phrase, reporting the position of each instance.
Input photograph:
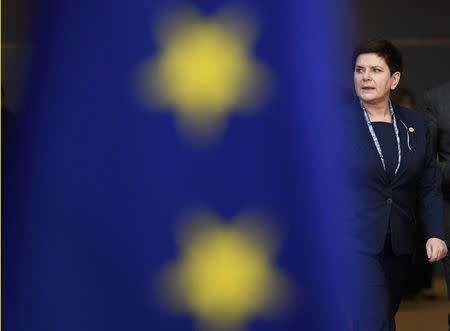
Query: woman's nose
(366, 75)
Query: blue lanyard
(375, 139)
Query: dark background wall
(16, 21)
(420, 28)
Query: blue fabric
(101, 179)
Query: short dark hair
(384, 49)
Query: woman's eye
(376, 69)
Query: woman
(393, 174)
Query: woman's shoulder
(412, 118)
(410, 114)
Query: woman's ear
(395, 80)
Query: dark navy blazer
(415, 190)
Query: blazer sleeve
(430, 195)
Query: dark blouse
(386, 137)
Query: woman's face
(373, 79)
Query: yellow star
(203, 71)
(225, 274)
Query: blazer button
(389, 201)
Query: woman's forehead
(370, 59)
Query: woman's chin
(368, 98)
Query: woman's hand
(436, 249)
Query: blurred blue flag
(173, 169)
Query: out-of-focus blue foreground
(106, 175)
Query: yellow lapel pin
(411, 130)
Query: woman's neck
(379, 112)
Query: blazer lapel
(405, 135)
(366, 145)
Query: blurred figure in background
(437, 109)
(419, 280)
